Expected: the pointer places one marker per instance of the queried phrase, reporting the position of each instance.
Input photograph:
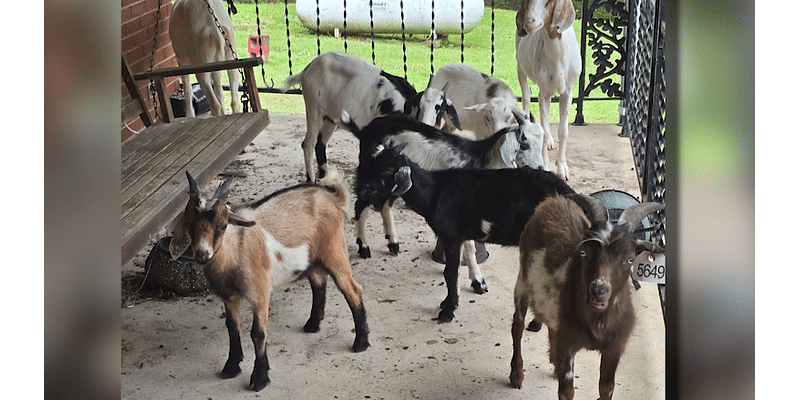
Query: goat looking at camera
(574, 269)
(294, 232)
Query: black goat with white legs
(458, 204)
(334, 82)
(294, 233)
(574, 269)
(433, 149)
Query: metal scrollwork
(604, 23)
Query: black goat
(458, 204)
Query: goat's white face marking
(287, 263)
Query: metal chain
(433, 34)
(344, 33)
(372, 32)
(152, 87)
(245, 99)
(260, 47)
(462, 31)
(403, 33)
(288, 41)
(492, 67)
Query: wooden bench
(154, 162)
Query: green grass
(389, 55)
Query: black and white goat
(458, 204)
(574, 269)
(432, 149)
(485, 104)
(293, 233)
(334, 82)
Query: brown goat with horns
(294, 232)
(574, 269)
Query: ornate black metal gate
(645, 105)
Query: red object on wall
(252, 46)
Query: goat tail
(334, 181)
(291, 81)
(348, 123)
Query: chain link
(245, 97)
(152, 86)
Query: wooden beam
(193, 69)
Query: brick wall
(138, 27)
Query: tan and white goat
(293, 233)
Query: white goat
(484, 102)
(547, 53)
(334, 82)
(197, 40)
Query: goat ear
(180, 238)
(509, 149)
(235, 219)
(453, 114)
(562, 15)
(475, 107)
(402, 181)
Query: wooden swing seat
(154, 161)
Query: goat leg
(521, 302)
(318, 281)
(259, 379)
(361, 229)
(452, 261)
(235, 354)
(608, 367)
(565, 361)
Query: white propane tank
(386, 15)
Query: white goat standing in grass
(197, 40)
(548, 54)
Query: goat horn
(194, 191)
(223, 189)
(444, 88)
(636, 213)
(430, 79)
(518, 115)
(593, 208)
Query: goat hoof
(394, 248)
(480, 287)
(231, 370)
(534, 326)
(311, 326)
(445, 316)
(360, 345)
(364, 252)
(516, 379)
(258, 382)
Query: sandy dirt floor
(173, 349)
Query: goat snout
(533, 24)
(599, 294)
(203, 254)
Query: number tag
(650, 267)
